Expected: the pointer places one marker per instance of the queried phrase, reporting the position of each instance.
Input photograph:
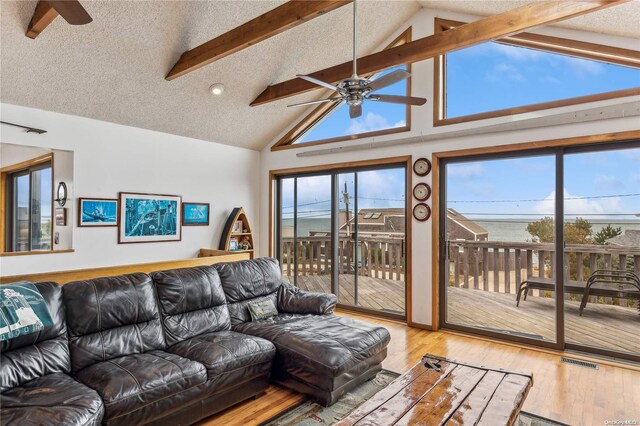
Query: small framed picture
(61, 216)
(237, 227)
(233, 244)
(195, 214)
(146, 218)
(97, 212)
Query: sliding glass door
(344, 232)
(504, 218)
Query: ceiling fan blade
(321, 101)
(355, 111)
(318, 82)
(389, 79)
(72, 11)
(394, 99)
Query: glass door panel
(500, 239)
(381, 240)
(347, 261)
(286, 228)
(602, 253)
(313, 233)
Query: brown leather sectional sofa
(176, 346)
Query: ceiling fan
(355, 90)
(47, 10)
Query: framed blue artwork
(97, 212)
(195, 214)
(146, 218)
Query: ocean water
(499, 230)
(516, 230)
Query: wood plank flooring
(571, 394)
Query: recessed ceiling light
(217, 89)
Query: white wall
(109, 158)
(422, 85)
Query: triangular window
(528, 72)
(331, 122)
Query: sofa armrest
(292, 300)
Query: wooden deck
(373, 293)
(603, 326)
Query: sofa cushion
(146, 382)
(313, 347)
(225, 351)
(54, 399)
(111, 317)
(34, 355)
(191, 302)
(246, 281)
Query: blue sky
(379, 188)
(375, 116)
(600, 185)
(479, 76)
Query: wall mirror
(36, 200)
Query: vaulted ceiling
(113, 69)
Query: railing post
(485, 269)
(465, 265)
(496, 270)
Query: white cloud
(550, 79)
(607, 182)
(584, 67)
(370, 123)
(517, 53)
(575, 206)
(501, 71)
(465, 171)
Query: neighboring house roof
(466, 223)
(379, 221)
(630, 238)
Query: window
(29, 205)
(331, 122)
(528, 72)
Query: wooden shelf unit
(237, 214)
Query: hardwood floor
(571, 394)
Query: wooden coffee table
(438, 391)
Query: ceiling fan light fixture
(216, 89)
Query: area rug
(308, 413)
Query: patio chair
(626, 283)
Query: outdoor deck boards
(605, 326)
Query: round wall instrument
(422, 212)
(422, 191)
(422, 167)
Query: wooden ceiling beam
(487, 29)
(43, 15)
(276, 21)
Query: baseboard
(421, 326)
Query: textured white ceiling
(621, 20)
(113, 69)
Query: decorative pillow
(22, 310)
(262, 310)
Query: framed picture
(146, 218)
(97, 212)
(195, 214)
(237, 227)
(233, 244)
(61, 216)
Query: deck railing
(501, 266)
(376, 257)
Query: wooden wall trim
(525, 146)
(64, 277)
(27, 163)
